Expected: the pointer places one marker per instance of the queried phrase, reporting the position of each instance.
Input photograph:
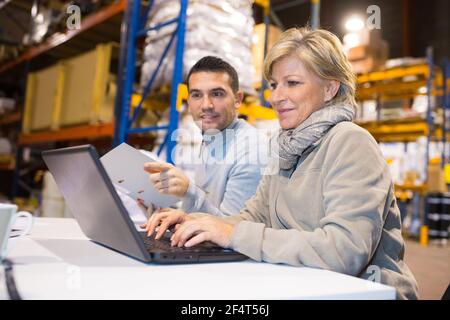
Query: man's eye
(218, 94)
(195, 95)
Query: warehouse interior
(66, 80)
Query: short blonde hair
(321, 52)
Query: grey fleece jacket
(336, 210)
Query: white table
(58, 262)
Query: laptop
(103, 218)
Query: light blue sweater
(227, 171)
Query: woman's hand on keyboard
(163, 219)
(203, 227)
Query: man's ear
(331, 88)
(239, 97)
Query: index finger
(154, 167)
(153, 222)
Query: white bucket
(53, 204)
(50, 188)
(52, 207)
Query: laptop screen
(93, 200)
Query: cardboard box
(381, 51)
(364, 37)
(411, 177)
(76, 91)
(447, 173)
(359, 52)
(366, 65)
(366, 58)
(43, 98)
(366, 50)
(88, 95)
(258, 48)
(436, 178)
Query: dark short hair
(215, 64)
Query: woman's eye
(292, 83)
(273, 86)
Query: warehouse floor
(431, 267)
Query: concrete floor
(431, 267)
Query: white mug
(8, 215)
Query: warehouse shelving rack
(135, 28)
(446, 115)
(265, 5)
(132, 28)
(50, 45)
(59, 38)
(408, 129)
(260, 108)
(376, 85)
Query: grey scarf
(291, 143)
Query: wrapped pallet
(222, 28)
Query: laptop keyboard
(164, 244)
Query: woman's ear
(331, 88)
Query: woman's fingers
(165, 224)
(164, 219)
(199, 238)
(184, 232)
(213, 229)
(154, 221)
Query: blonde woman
(331, 203)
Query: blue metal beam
(133, 28)
(143, 32)
(127, 71)
(163, 145)
(145, 15)
(149, 84)
(177, 79)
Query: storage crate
(88, 95)
(43, 99)
(76, 91)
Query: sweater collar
(210, 139)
